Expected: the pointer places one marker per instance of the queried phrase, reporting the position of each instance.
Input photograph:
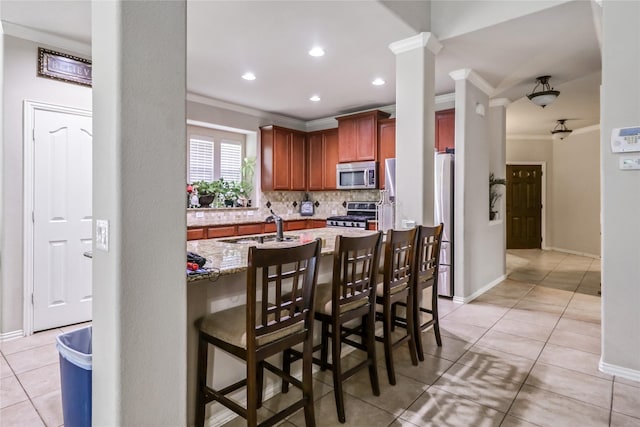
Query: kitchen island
(228, 257)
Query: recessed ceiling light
(249, 76)
(316, 51)
(315, 98)
(378, 82)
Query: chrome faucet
(278, 220)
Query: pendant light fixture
(560, 131)
(545, 94)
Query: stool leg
(370, 337)
(259, 384)
(411, 330)
(336, 347)
(286, 368)
(434, 313)
(388, 346)
(201, 382)
(324, 351)
(252, 391)
(307, 382)
(418, 329)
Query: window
(214, 154)
(230, 161)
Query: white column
(620, 204)
(139, 310)
(415, 133)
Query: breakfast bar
(225, 288)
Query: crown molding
(473, 77)
(499, 102)
(418, 41)
(45, 38)
(445, 98)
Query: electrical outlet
(334, 212)
(199, 214)
(102, 235)
(249, 213)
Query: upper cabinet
(283, 159)
(358, 136)
(322, 159)
(387, 145)
(445, 129)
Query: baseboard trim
(11, 335)
(619, 371)
(569, 251)
(476, 294)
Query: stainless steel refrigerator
(443, 212)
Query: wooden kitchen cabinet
(250, 229)
(283, 159)
(221, 231)
(445, 130)
(322, 159)
(296, 224)
(358, 136)
(386, 146)
(316, 223)
(196, 233)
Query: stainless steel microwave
(357, 176)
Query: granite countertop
(212, 221)
(231, 258)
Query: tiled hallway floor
(524, 354)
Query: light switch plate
(102, 235)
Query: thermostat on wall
(625, 140)
(630, 162)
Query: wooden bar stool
(396, 287)
(425, 275)
(349, 296)
(264, 328)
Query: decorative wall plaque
(63, 67)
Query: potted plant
(230, 192)
(246, 184)
(207, 192)
(494, 194)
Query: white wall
(572, 205)
(479, 245)
(576, 193)
(21, 83)
(620, 107)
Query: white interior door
(62, 166)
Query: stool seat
(324, 304)
(229, 326)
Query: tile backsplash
(285, 204)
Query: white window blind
(200, 160)
(230, 161)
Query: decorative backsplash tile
(285, 204)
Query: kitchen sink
(258, 239)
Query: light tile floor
(524, 354)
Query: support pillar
(415, 128)
(139, 170)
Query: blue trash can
(75, 376)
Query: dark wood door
(524, 206)
(281, 159)
(316, 152)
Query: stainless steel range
(358, 213)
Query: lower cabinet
(199, 233)
(299, 224)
